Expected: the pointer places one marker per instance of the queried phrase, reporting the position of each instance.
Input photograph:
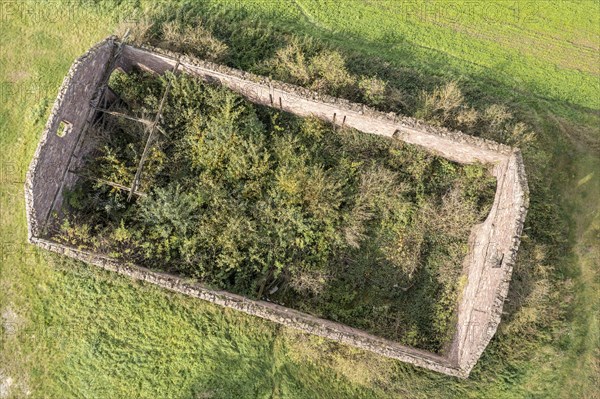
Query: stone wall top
(493, 244)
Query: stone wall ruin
(493, 244)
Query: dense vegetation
(72, 331)
(346, 225)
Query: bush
(291, 62)
(446, 106)
(330, 74)
(442, 104)
(324, 71)
(373, 90)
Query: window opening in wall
(64, 128)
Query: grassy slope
(535, 49)
(535, 46)
(84, 333)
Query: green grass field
(70, 331)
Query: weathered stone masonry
(493, 243)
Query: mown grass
(71, 331)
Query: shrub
(467, 118)
(442, 104)
(373, 90)
(79, 234)
(496, 115)
(319, 69)
(330, 74)
(195, 40)
(290, 62)
(309, 281)
(518, 135)
(446, 106)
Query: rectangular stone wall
(492, 244)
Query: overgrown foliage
(353, 227)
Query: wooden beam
(109, 183)
(151, 131)
(122, 115)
